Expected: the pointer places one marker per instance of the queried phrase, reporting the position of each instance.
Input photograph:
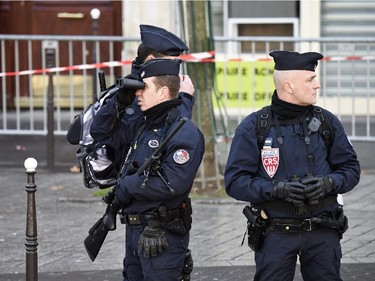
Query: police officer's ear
(165, 93)
(288, 86)
(149, 57)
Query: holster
(185, 213)
(335, 219)
(188, 267)
(179, 220)
(256, 228)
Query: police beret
(159, 67)
(285, 60)
(161, 40)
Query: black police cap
(159, 67)
(285, 60)
(161, 40)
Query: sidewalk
(66, 210)
(361, 272)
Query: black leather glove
(126, 89)
(109, 218)
(137, 64)
(290, 191)
(152, 240)
(318, 187)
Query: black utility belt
(133, 219)
(292, 225)
(177, 220)
(142, 218)
(334, 220)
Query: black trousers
(319, 253)
(166, 266)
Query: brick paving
(66, 210)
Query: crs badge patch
(181, 156)
(270, 160)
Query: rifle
(98, 232)
(102, 82)
(95, 239)
(152, 164)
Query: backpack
(264, 123)
(98, 162)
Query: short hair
(143, 52)
(170, 81)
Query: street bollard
(31, 225)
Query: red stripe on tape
(193, 57)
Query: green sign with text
(249, 83)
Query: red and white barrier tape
(66, 68)
(196, 57)
(348, 58)
(199, 57)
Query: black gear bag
(98, 162)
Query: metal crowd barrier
(243, 78)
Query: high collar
(286, 110)
(157, 115)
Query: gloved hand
(152, 241)
(290, 191)
(137, 64)
(109, 218)
(126, 92)
(318, 187)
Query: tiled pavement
(66, 210)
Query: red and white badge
(181, 156)
(270, 160)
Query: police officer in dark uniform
(292, 182)
(157, 42)
(156, 205)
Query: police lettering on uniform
(293, 178)
(155, 201)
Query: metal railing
(346, 74)
(26, 63)
(243, 78)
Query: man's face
(149, 96)
(304, 85)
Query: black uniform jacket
(249, 172)
(179, 163)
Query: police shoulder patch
(181, 156)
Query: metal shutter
(349, 19)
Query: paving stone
(66, 210)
